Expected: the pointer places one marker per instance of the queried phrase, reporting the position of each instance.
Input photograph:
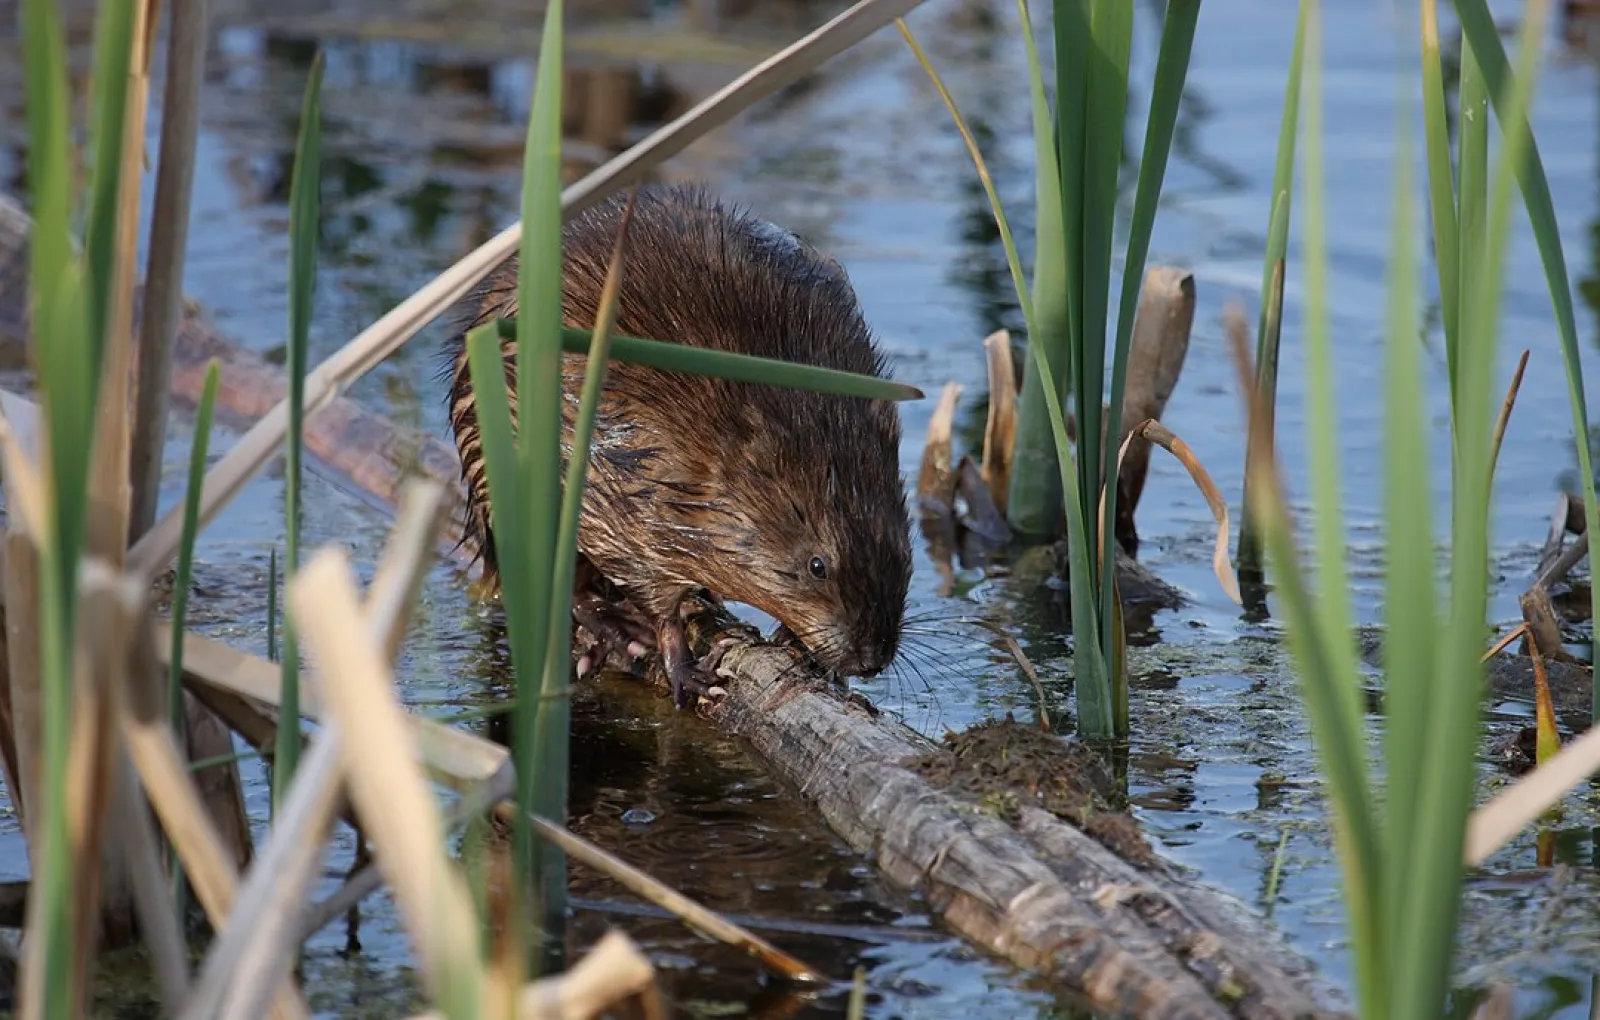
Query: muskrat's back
(786, 500)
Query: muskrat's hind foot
(618, 630)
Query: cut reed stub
(1000, 430)
(1156, 357)
(936, 481)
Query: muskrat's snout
(870, 659)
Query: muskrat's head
(786, 500)
(824, 545)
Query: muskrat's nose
(870, 661)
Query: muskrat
(786, 500)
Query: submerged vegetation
(1405, 832)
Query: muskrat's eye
(819, 568)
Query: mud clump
(1004, 766)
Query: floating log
(1076, 897)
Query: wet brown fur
(701, 483)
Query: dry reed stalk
(1506, 406)
(173, 791)
(936, 481)
(1000, 429)
(651, 890)
(10, 766)
(18, 743)
(1499, 646)
(242, 969)
(111, 495)
(1156, 353)
(387, 786)
(243, 974)
(258, 445)
(24, 492)
(110, 490)
(114, 612)
(169, 239)
(397, 582)
(613, 973)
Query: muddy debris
(1003, 766)
(1509, 677)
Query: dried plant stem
(1511, 810)
(109, 485)
(112, 613)
(1505, 410)
(680, 905)
(386, 784)
(169, 239)
(936, 480)
(242, 967)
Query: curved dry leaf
(1157, 433)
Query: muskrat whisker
(924, 665)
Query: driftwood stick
(1019, 896)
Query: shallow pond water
(424, 112)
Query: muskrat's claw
(711, 660)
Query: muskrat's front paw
(613, 633)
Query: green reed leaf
(541, 759)
(272, 604)
(1034, 504)
(198, 450)
(1433, 896)
(1472, 168)
(183, 577)
(1269, 326)
(1412, 624)
(305, 188)
(1441, 180)
(66, 360)
(1325, 637)
(675, 357)
(113, 57)
(1172, 70)
(1071, 21)
(1481, 34)
(1105, 113)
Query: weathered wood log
(1078, 899)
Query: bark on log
(1136, 939)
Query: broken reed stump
(962, 505)
(1098, 917)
